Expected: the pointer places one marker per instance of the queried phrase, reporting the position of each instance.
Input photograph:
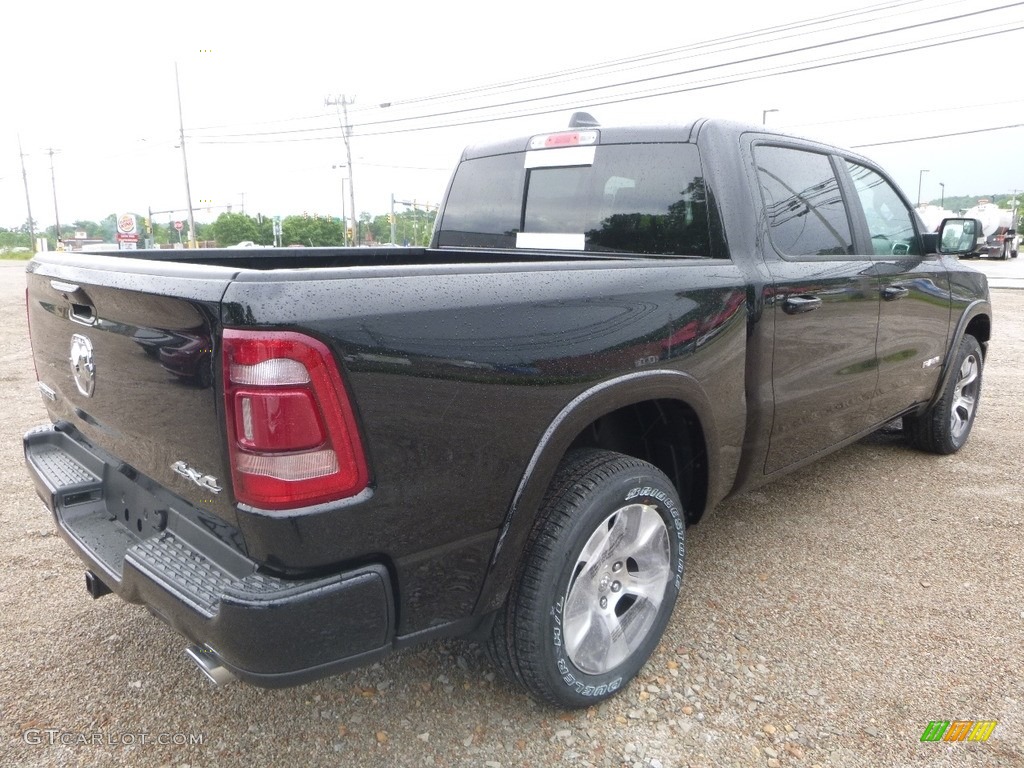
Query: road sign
(127, 229)
(179, 226)
(126, 224)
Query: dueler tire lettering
(598, 581)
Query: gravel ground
(825, 620)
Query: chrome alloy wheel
(616, 588)
(965, 397)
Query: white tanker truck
(999, 227)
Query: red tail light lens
(292, 435)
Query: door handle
(893, 292)
(83, 314)
(794, 305)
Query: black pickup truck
(302, 459)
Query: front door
(915, 290)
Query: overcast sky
(96, 83)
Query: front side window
(633, 198)
(890, 222)
(803, 203)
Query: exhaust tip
(209, 664)
(95, 586)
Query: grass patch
(21, 256)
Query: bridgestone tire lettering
(591, 489)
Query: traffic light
(391, 218)
(350, 233)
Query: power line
(614, 65)
(916, 113)
(821, 64)
(937, 136)
(617, 64)
(640, 81)
(706, 68)
(604, 65)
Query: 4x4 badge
(206, 482)
(83, 368)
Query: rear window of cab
(616, 198)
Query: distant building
(82, 241)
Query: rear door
(826, 303)
(914, 317)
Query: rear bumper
(189, 567)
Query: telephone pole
(28, 200)
(184, 158)
(53, 182)
(346, 132)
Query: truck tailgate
(126, 351)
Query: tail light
(292, 435)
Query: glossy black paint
(457, 381)
(473, 371)
(142, 410)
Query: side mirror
(959, 236)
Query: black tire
(574, 636)
(946, 425)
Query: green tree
(91, 228)
(380, 227)
(232, 228)
(413, 227)
(108, 228)
(14, 238)
(311, 231)
(265, 225)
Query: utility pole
(28, 200)
(920, 176)
(344, 216)
(184, 158)
(393, 219)
(346, 133)
(53, 182)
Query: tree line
(963, 202)
(412, 227)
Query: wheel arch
(681, 439)
(976, 321)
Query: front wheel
(946, 425)
(598, 583)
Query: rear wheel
(946, 425)
(598, 582)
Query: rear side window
(631, 198)
(803, 203)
